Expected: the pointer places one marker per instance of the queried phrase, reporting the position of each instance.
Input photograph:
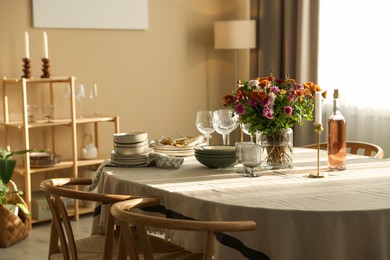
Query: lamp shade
(237, 34)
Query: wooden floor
(36, 244)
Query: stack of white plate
(130, 149)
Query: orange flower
(227, 100)
(265, 81)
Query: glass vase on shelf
(277, 152)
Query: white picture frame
(91, 14)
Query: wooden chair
(92, 247)
(355, 147)
(126, 218)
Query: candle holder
(26, 68)
(318, 128)
(46, 68)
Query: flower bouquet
(271, 107)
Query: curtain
(353, 57)
(287, 44)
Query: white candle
(45, 46)
(26, 46)
(317, 106)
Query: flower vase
(277, 148)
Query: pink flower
(268, 113)
(274, 89)
(240, 109)
(288, 110)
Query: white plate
(176, 153)
(146, 151)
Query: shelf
(60, 122)
(61, 165)
(82, 211)
(71, 164)
(17, 81)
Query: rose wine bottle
(337, 146)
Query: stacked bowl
(216, 156)
(130, 149)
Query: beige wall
(155, 80)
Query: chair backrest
(355, 147)
(61, 229)
(123, 214)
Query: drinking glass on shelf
(245, 129)
(31, 111)
(204, 123)
(48, 111)
(251, 157)
(225, 121)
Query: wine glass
(245, 129)
(251, 157)
(225, 121)
(93, 93)
(204, 123)
(48, 111)
(80, 95)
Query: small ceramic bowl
(131, 137)
(129, 150)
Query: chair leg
(109, 238)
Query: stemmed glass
(93, 93)
(225, 121)
(251, 157)
(80, 94)
(204, 123)
(245, 129)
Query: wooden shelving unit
(23, 127)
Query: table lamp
(237, 34)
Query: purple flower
(253, 101)
(288, 110)
(240, 109)
(268, 113)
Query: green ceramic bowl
(216, 161)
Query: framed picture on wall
(91, 14)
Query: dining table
(344, 215)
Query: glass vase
(277, 148)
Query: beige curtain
(287, 44)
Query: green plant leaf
(6, 169)
(23, 208)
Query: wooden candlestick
(46, 68)
(26, 68)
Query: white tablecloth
(343, 216)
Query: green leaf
(6, 169)
(23, 208)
